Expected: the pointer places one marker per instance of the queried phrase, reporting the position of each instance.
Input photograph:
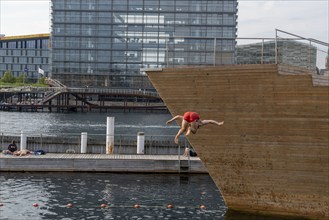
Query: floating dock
(102, 163)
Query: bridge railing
(138, 92)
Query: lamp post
(26, 70)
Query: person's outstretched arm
(205, 122)
(174, 118)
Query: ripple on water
(87, 191)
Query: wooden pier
(102, 163)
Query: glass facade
(25, 55)
(289, 52)
(106, 42)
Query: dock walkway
(102, 163)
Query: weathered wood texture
(271, 155)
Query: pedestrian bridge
(62, 98)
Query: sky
(256, 18)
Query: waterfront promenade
(63, 162)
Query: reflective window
(124, 35)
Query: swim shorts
(191, 116)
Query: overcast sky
(256, 18)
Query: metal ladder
(184, 165)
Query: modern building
(289, 52)
(106, 43)
(25, 55)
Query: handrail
(114, 91)
(300, 37)
(51, 143)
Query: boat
(271, 156)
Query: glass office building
(106, 43)
(25, 55)
(289, 52)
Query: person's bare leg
(183, 128)
(188, 130)
(186, 151)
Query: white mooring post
(140, 142)
(23, 141)
(110, 135)
(84, 136)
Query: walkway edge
(98, 163)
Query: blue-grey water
(87, 191)
(93, 123)
(120, 192)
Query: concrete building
(106, 43)
(289, 52)
(24, 55)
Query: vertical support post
(215, 42)
(41, 144)
(84, 136)
(2, 139)
(309, 56)
(140, 142)
(262, 57)
(110, 135)
(167, 53)
(276, 46)
(23, 141)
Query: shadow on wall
(233, 215)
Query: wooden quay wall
(272, 154)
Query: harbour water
(86, 192)
(93, 123)
(119, 191)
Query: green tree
(42, 80)
(8, 77)
(22, 78)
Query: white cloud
(24, 17)
(306, 18)
(309, 19)
(268, 5)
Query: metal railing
(137, 92)
(299, 51)
(291, 50)
(96, 143)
